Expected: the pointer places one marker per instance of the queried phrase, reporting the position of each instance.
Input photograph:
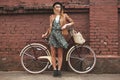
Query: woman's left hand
(63, 27)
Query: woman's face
(57, 8)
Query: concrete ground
(22, 75)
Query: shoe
(59, 73)
(55, 73)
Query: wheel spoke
(30, 55)
(29, 65)
(82, 59)
(29, 61)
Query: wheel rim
(32, 64)
(82, 63)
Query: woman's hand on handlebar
(44, 35)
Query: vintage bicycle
(36, 57)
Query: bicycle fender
(69, 52)
(34, 44)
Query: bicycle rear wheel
(29, 56)
(81, 59)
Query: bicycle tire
(80, 62)
(35, 66)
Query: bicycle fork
(81, 62)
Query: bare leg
(60, 58)
(53, 55)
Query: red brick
(104, 14)
(17, 29)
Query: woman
(59, 22)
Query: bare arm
(69, 20)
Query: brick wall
(119, 24)
(22, 20)
(19, 24)
(104, 26)
(15, 31)
(119, 31)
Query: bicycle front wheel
(29, 58)
(81, 59)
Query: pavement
(47, 75)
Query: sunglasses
(57, 6)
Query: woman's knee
(53, 52)
(60, 52)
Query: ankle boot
(55, 73)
